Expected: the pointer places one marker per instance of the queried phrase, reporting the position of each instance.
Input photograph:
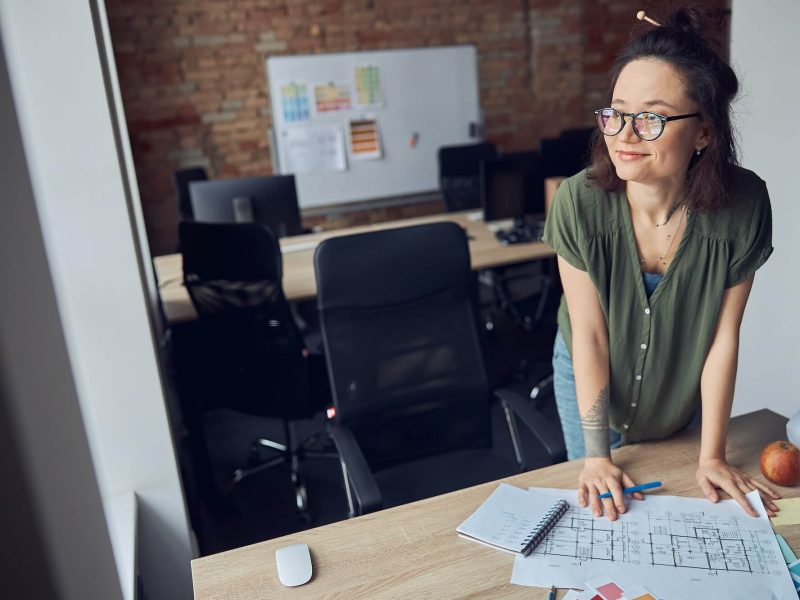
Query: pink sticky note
(610, 591)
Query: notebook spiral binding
(544, 526)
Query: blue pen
(552, 594)
(636, 488)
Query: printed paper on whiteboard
(308, 149)
(332, 97)
(294, 102)
(369, 90)
(365, 139)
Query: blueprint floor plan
(679, 547)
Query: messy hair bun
(687, 20)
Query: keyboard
(520, 234)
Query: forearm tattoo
(595, 426)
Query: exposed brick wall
(193, 80)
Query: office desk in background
(413, 551)
(299, 282)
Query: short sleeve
(561, 228)
(748, 256)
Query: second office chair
(409, 385)
(250, 355)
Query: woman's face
(653, 85)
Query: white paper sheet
(678, 548)
(314, 149)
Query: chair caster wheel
(301, 498)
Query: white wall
(765, 51)
(78, 172)
(55, 541)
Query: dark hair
(709, 81)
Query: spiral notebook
(513, 520)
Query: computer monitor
(568, 154)
(512, 186)
(459, 174)
(272, 202)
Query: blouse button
(638, 378)
(643, 346)
(647, 311)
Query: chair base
(288, 453)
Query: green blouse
(658, 346)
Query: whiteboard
(430, 92)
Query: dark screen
(512, 186)
(273, 201)
(568, 154)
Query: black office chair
(459, 174)
(252, 358)
(180, 181)
(408, 379)
(270, 201)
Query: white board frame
(430, 91)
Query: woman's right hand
(600, 475)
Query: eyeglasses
(647, 125)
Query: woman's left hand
(716, 474)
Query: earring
(697, 151)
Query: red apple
(780, 463)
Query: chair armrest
(550, 439)
(365, 488)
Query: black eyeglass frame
(664, 120)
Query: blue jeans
(567, 402)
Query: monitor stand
(521, 232)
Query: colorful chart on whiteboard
(329, 97)
(368, 86)
(365, 139)
(680, 548)
(294, 102)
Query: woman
(657, 242)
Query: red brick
(540, 73)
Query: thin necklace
(662, 258)
(670, 213)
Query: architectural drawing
(683, 540)
(678, 547)
(700, 541)
(584, 538)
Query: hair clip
(642, 16)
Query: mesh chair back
(253, 348)
(181, 180)
(459, 174)
(403, 351)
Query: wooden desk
(413, 551)
(299, 282)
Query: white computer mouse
(294, 564)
